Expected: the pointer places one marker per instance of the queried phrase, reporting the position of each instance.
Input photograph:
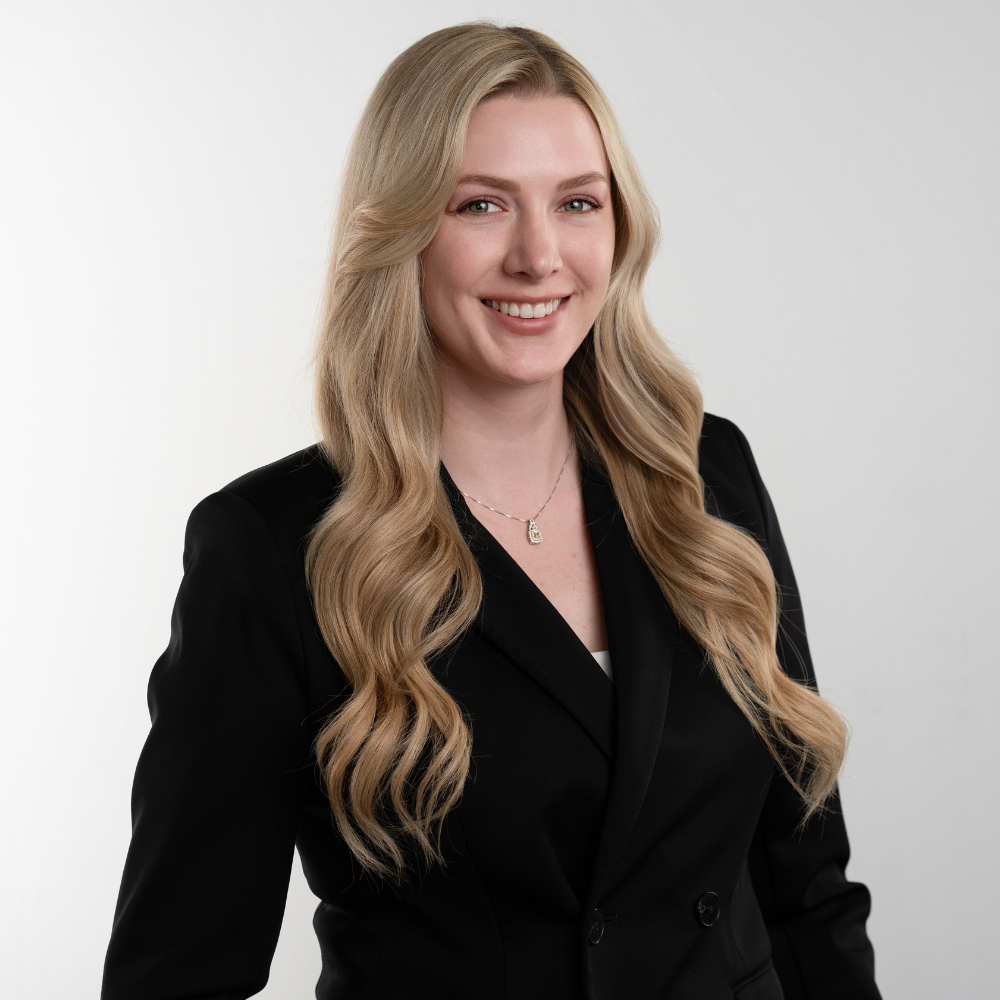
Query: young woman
(515, 656)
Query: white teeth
(525, 310)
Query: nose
(534, 249)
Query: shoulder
(733, 487)
(276, 505)
(723, 451)
(291, 494)
(301, 483)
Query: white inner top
(604, 659)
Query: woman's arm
(815, 917)
(222, 777)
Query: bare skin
(530, 222)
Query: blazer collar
(518, 618)
(625, 719)
(642, 636)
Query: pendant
(534, 535)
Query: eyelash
(587, 201)
(475, 201)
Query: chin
(530, 365)
(533, 377)
(525, 371)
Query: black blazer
(629, 840)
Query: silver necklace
(534, 535)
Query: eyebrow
(513, 187)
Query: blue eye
(578, 205)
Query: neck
(504, 444)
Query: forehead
(541, 138)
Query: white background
(827, 174)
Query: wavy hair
(392, 579)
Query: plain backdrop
(827, 175)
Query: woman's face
(519, 267)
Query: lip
(527, 326)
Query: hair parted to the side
(392, 579)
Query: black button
(596, 927)
(708, 908)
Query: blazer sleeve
(222, 777)
(814, 915)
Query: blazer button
(596, 927)
(708, 909)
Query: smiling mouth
(524, 310)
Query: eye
(479, 206)
(579, 205)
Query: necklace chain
(534, 535)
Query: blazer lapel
(642, 634)
(518, 618)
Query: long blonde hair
(392, 579)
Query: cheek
(434, 279)
(452, 263)
(607, 250)
(592, 259)
(448, 271)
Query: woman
(503, 655)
